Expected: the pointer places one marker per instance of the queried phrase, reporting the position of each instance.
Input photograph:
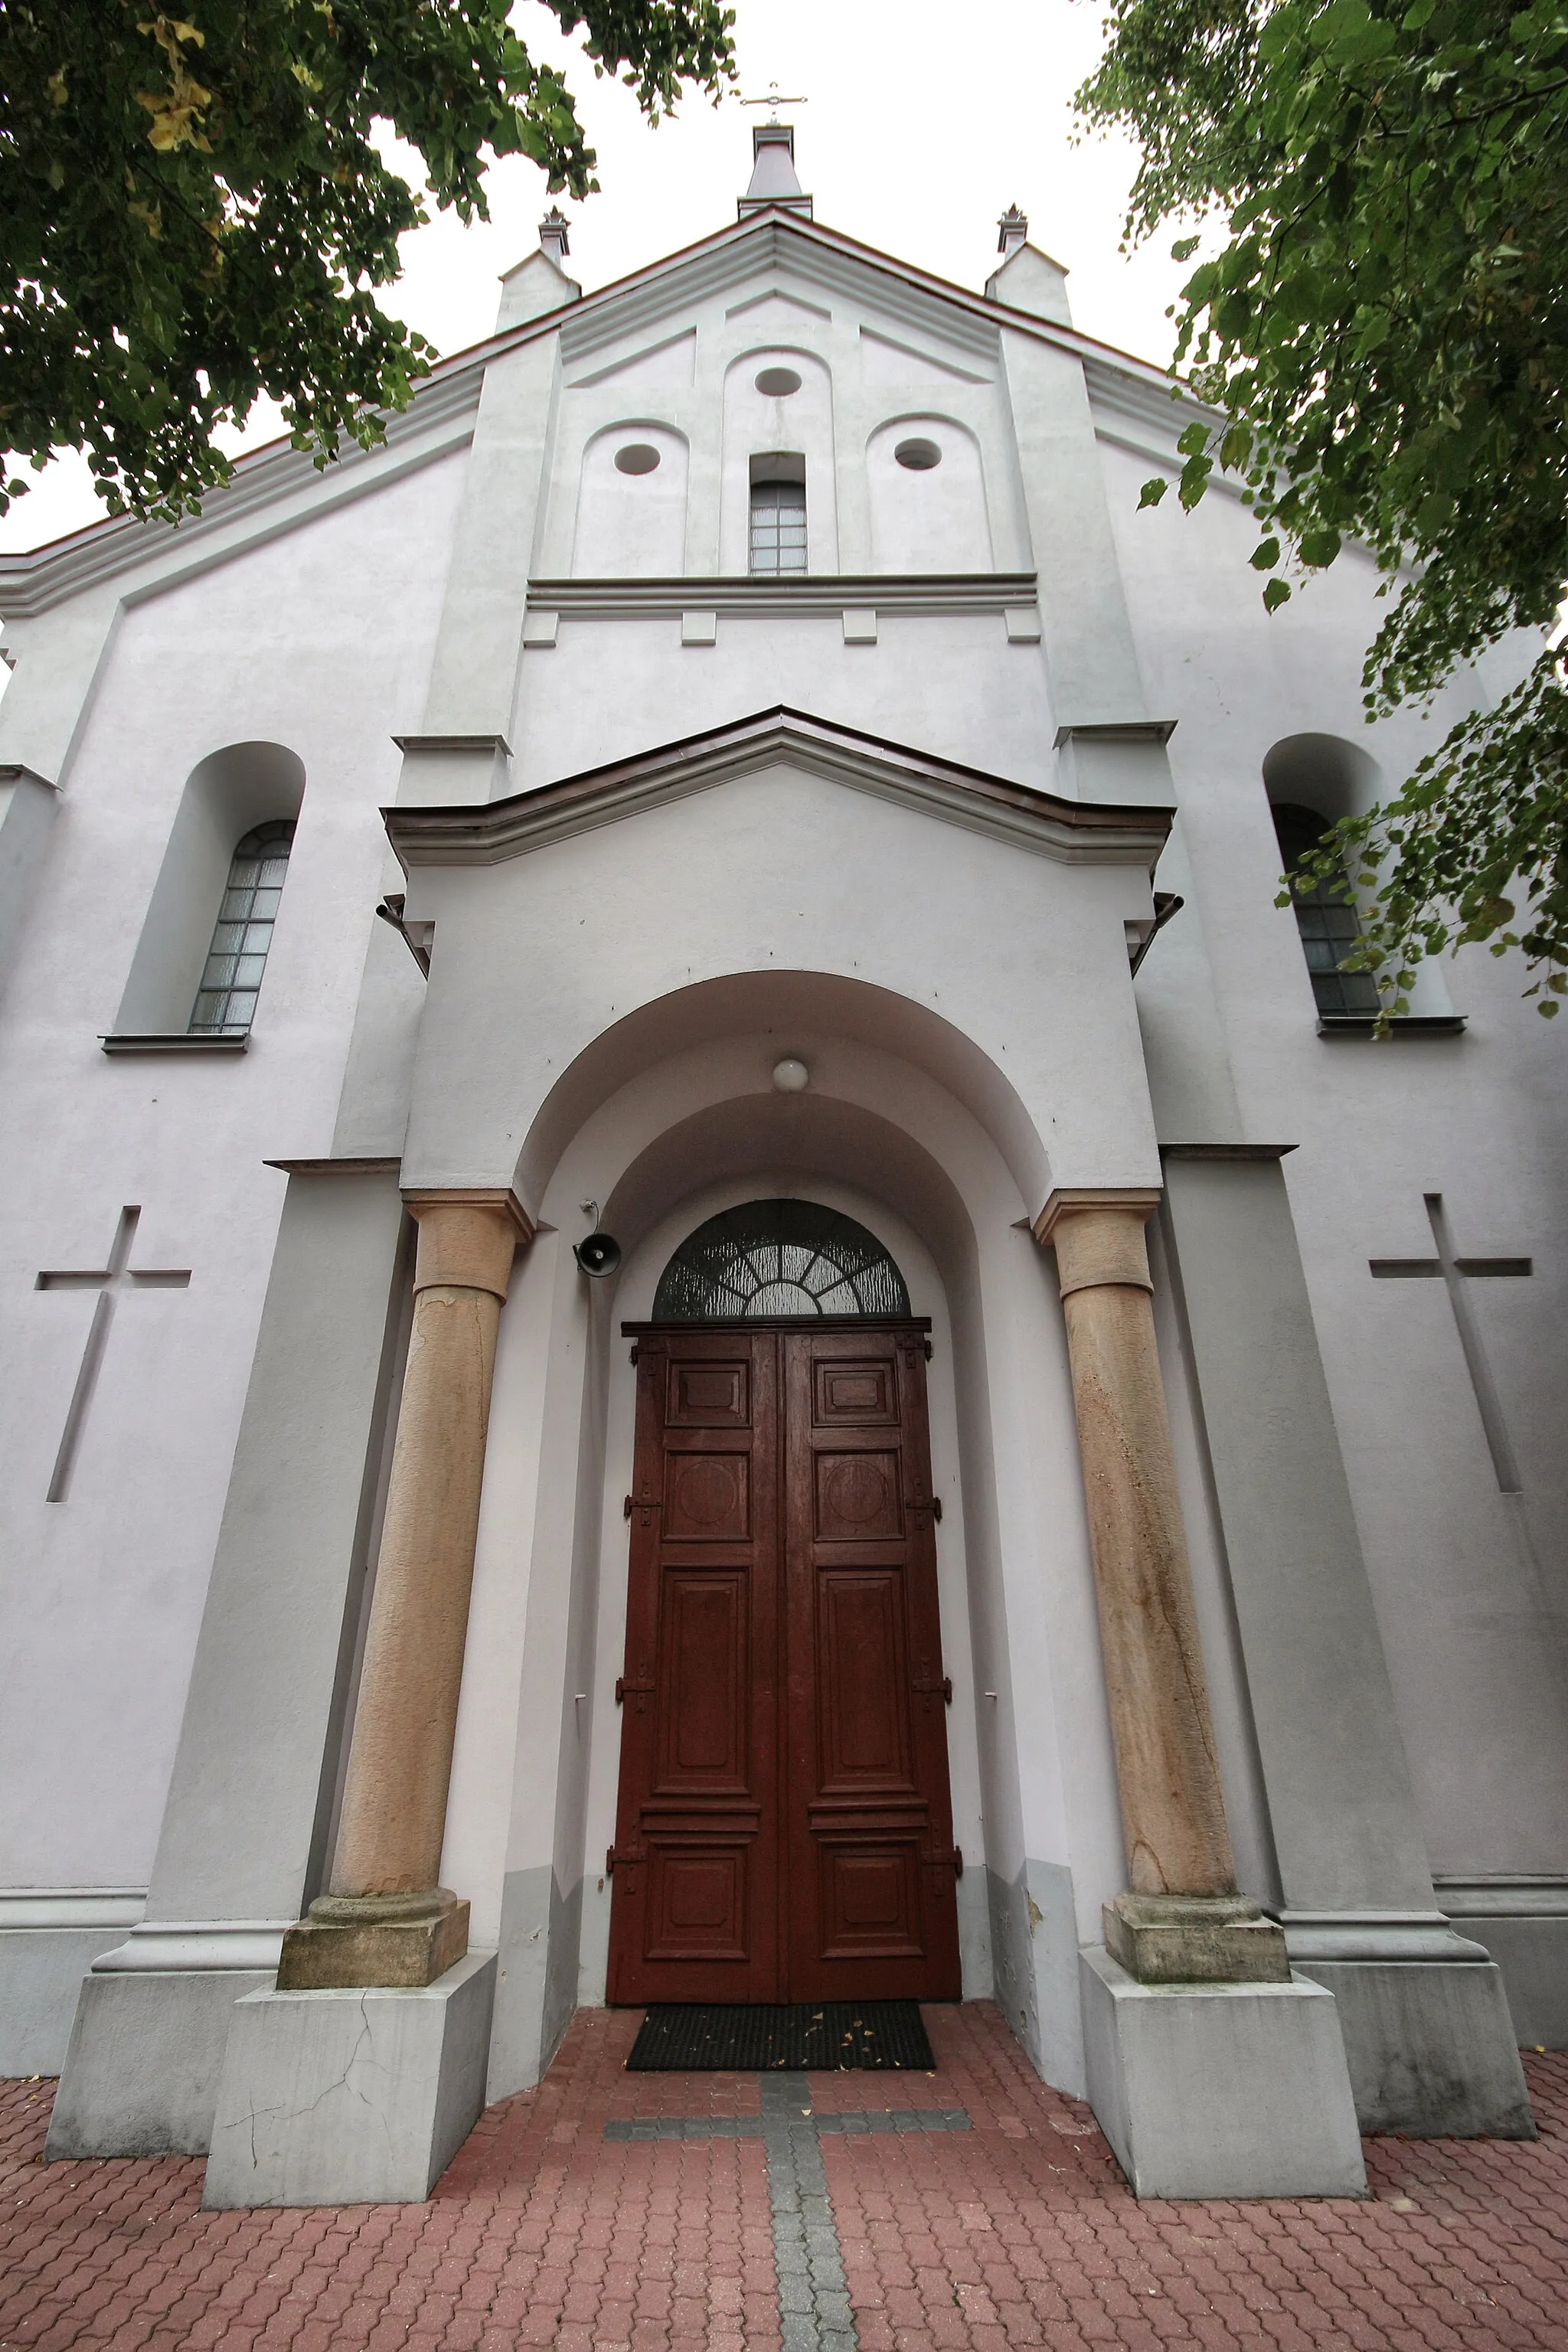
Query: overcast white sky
(923, 123)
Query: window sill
(1404, 1024)
(176, 1044)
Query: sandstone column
(1182, 1918)
(385, 1921)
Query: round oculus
(919, 455)
(790, 1075)
(636, 457)
(777, 383)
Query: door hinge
(624, 1685)
(928, 1352)
(646, 1504)
(929, 1687)
(633, 1356)
(958, 1862)
(628, 1857)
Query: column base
(1432, 2048)
(1195, 1940)
(396, 1941)
(352, 2095)
(1220, 2090)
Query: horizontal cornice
(1069, 832)
(951, 592)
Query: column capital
(466, 1236)
(1097, 1234)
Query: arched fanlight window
(773, 1260)
(231, 981)
(1328, 921)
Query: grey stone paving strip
(814, 2296)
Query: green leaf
(1152, 491)
(1275, 594)
(1194, 481)
(1318, 547)
(1266, 555)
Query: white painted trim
(275, 491)
(937, 592)
(1066, 832)
(176, 1946)
(70, 1907)
(1374, 1935)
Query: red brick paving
(1021, 2232)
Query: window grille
(1328, 921)
(773, 1260)
(225, 1001)
(778, 526)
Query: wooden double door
(785, 1826)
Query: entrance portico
(606, 1011)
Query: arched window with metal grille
(231, 980)
(776, 1261)
(1325, 916)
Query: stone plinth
(389, 1940)
(1195, 1940)
(1220, 2090)
(351, 2097)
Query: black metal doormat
(821, 2037)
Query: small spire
(773, 179)
(1014, 227)
(553, 239)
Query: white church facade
(1052, 1490)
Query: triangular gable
(1071, 833)
(887, 362)
(666, 366)
(276, 485)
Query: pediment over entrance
(1068, 831)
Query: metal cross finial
(109, 1282)
(1456, 1271)
(774, 100)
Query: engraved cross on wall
(109, 1282)
(1457, 1273)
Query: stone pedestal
(351, 2097)
(1220, 2090)
(147, 2043)
(1428, 2037)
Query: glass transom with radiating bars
(773, 1261)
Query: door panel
(868, 1821)
(694, 1914)
(785, 1829)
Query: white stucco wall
(318, 640)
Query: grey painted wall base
(141, 2073)
(1220, 2090)
(49, 1941)
(351, 2097)
(1034, 1956)
(536, 1981)
(1430, 2046)
(1523, 1924)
